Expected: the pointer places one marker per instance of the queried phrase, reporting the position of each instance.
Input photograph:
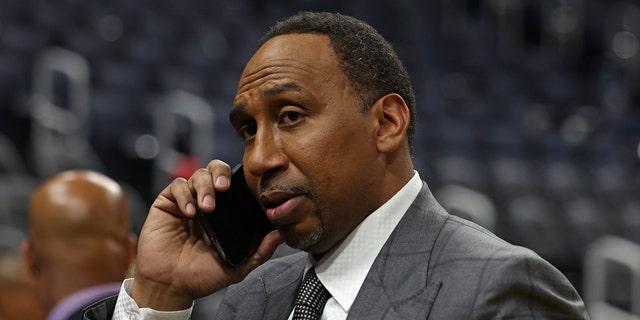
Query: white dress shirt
(342, 270)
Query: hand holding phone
(238, 223)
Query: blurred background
(528, 110)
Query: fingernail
(222, 181)
(191, 209)
(207, 201)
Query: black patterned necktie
(312, 296)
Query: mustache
(298, 190)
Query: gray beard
(309, 240)
(313, 238)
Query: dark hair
(365, 57)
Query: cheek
(337, 141)
(337, 161)
(346, 147)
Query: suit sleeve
(122, 306)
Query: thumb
(266, 249)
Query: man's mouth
(272, 199)
(279, 204)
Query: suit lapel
(280, 291)
(398, 286)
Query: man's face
(310, 151)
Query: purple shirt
(79, 299)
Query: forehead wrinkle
(270, 64)
(280, 88)
(250, 79)
(279, 68)
(271, 91)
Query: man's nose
(264, 156)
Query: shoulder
(503, 279)
(454, 237)
(462, 243)
(461, 250)
(477, 240)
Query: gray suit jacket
(434, 266)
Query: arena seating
(534, 104)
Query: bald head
(78, 233)
(76, 204)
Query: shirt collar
(343, 270)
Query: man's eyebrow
(282, 87)
(235, 111)
(270, 92)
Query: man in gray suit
(326, 111)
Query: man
(80, 246)
(18, 298)
(325, 109)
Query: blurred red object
(185, 167)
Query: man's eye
(248, 130)
(290, 117)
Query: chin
(308, 242)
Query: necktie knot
(312, 296)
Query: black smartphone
(238, 224)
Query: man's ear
(30, 259)
(393, 120)
(132, 242)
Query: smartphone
(238, 223)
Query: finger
(182, 193)
(220, 174)
(269, 245)
(203, 182)
(266, 249)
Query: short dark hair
(365, 57)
